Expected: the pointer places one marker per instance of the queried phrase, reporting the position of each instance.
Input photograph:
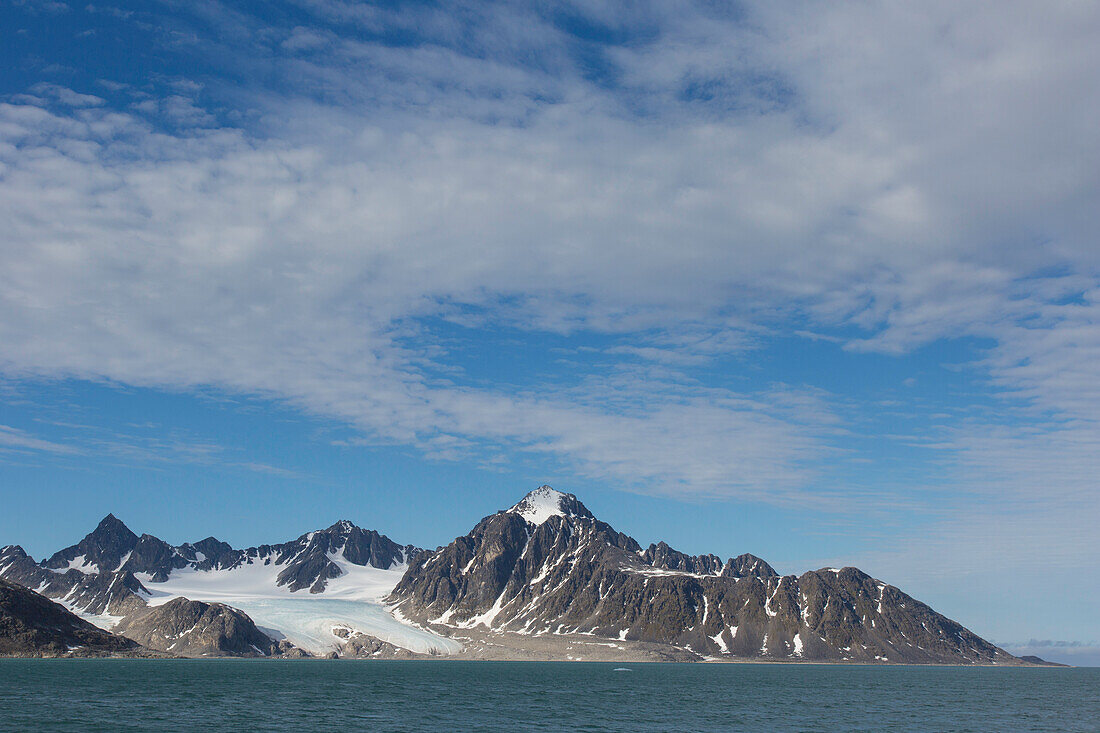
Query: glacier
(305, 619)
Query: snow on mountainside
(545, 502)
(311, 592)
(350, 600)
(547, 567)
(544, 577)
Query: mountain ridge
(544, 569)
(31, 625)
(568, 572)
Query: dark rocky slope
(557, 569)
(111, 547)
(358, 645)
(197, 629)
(32, 625)
(99, 574)
(111, 570)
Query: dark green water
(239, 695)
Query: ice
(104, 621)
(305, 619)
(308, 623)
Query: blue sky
(817, 282)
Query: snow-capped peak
(545, 502)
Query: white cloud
(14, 439)
(901, 173)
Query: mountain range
(544, 579)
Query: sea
(349, 695)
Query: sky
(819, 282)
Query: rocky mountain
(311, 560)
(1039, 661)
(544, 579)
(358, 645)
(197, 629)
(31, 625)
(112, 548)
(99, 574)
(548, 567)
(104, 550)
(131, 583)
(115, 593)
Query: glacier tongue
(308, 623)
(305, 619)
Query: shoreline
(428, 659)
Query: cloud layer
(288, 220)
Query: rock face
(112, 547)
(104, 550)
(358, 645)
(309, 559)
(1032, 659)
(197, 629)
(547, 566)
(98, 575)
(31, 625)
(112, 574)
(116, 593)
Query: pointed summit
(113, 531)
(342, 527)
(102, 550)
(545, 502)
(111, 523)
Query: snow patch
(104, 620)
(663, 573)
(541, 504)
(78, 563)
(486, 618)
(124, 560)
(768, 603)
